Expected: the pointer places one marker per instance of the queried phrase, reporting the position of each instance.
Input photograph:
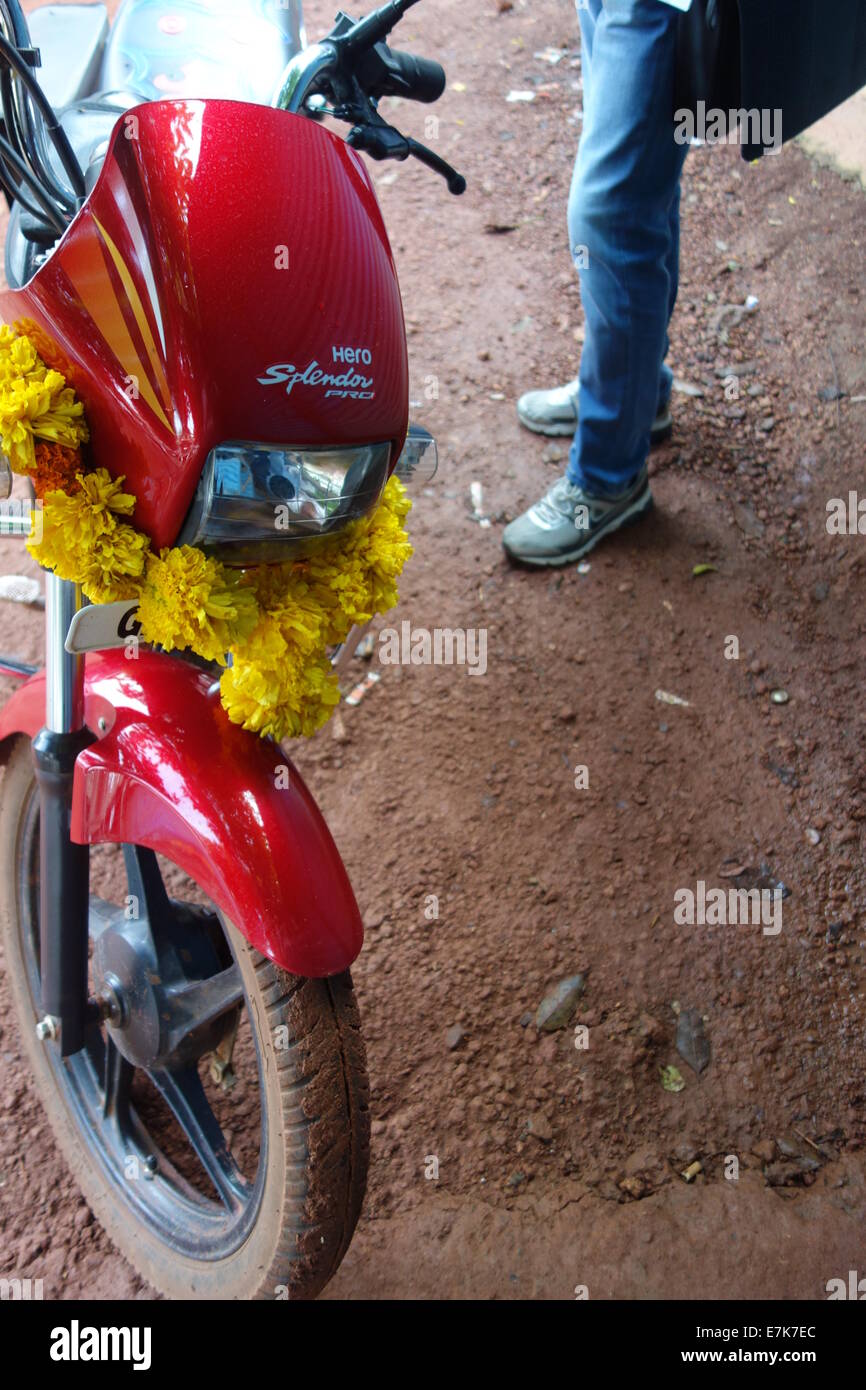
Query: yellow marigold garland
(275, 622)
(190, 600)
(83, 538)
(56, 469)
(34, 400)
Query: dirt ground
(560, 1165)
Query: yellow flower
(34, 401)
(284, 700)
(83, 540)
(362, 563)
(189, 600)
(281, 682)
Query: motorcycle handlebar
(377, 26)
(418, 79)
(355, 67)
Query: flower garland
(275, 621)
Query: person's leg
(553, 411)
(624, 230)
(673, 269)
(587, 15)
(623, 225)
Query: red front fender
(170, 771)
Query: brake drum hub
(140, 1001)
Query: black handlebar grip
(421, 79)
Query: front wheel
(231, 1163)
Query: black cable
(11, 111)
(7, 101)
(16, 25)
(12, 11)
(47, 212)
(54, 214)
(11, 116)
(14, 194)
(24, 142)
(40, 163)
(33, 149)
(56, 132)
(22, 131)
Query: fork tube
(64, 867)
(64, 673)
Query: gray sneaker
(568, 522)
(554, 413)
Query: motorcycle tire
(312, 1121)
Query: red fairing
(173, 773)
(229, 278)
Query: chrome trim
(301, 75)
(64, 674)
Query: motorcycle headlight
(251, 495)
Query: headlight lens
(251, 495)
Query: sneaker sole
(560, 429)
(638, 509)
(563, 429)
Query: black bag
(802, 57)
(708, 56)
(798, 58)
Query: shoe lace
(560, 502)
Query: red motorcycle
(210, 267)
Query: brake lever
(382, 141)
(379, 140)
(456, 182)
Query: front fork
(64, 867)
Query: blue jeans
(623, 224)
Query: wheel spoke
(144, 878)
(117, 1073)
(184, 1093)
(193, 1005)
(101, 916)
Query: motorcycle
(206, 261)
